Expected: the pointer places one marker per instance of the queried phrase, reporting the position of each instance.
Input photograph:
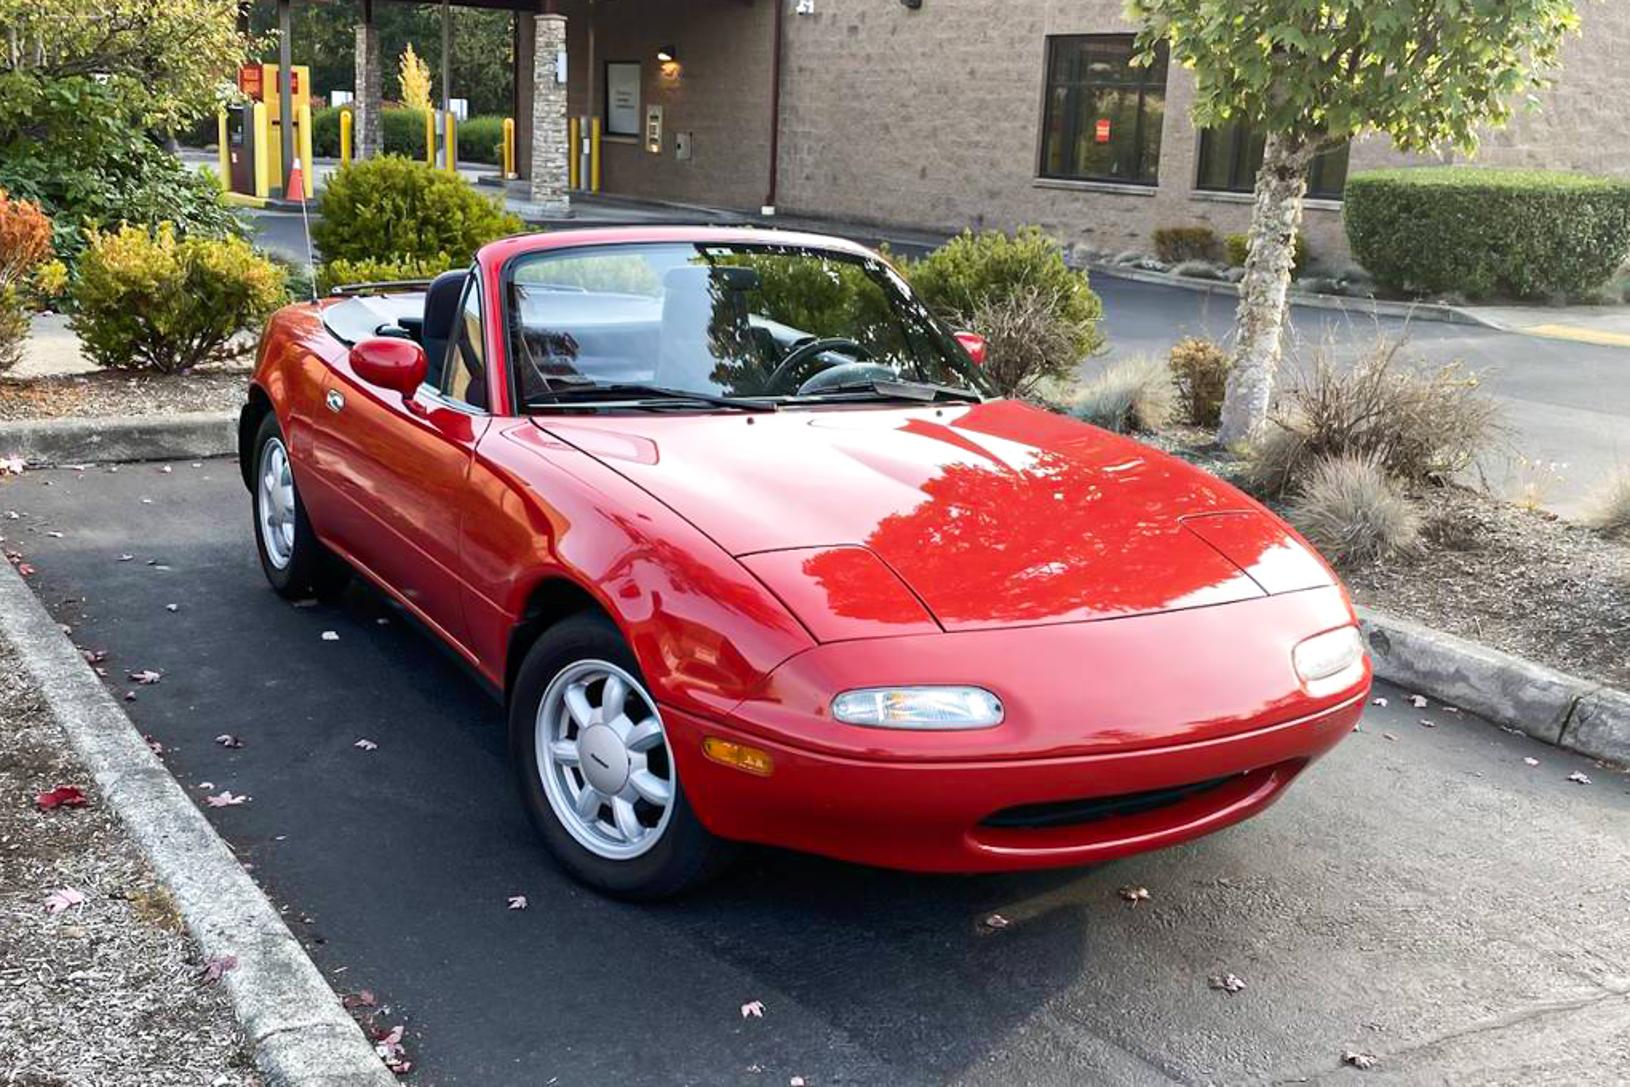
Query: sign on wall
(622, 98)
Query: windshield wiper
(576, 393)
(925, 391)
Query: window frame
(1052, 46)
(440, 393)
(1239, 137)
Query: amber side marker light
(742, 757)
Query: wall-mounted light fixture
(667, 54)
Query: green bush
(1238, 246)
(973, 274)
(73, 146)
(389, 208)
(402, 133)
(1476, 232)
(152, 300)
(338, 273)
(13, 327)
(1175, 244)
(481, 139)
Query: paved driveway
(1422, 895)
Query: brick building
(951, 113)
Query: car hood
(991, 515)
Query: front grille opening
(1066, 813)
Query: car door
(401, 465)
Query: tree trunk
(1260, 320)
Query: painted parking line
(1578, 334)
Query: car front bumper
(982, 815)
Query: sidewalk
(1604, 326)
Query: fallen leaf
(1358, 1060)
(94, 656)
(1428, 724)
(166, 469)
(215, 967)
(1135, 895)
(25, 569)
(389, 1048)
(362, 998)
(63, 796)
(226, 739)
(1579, 776)
(753, 1009)
(796, 1081)
(517, 902)
(54, 535)
(153, 745)
(1418, 701)
(172, 607)
(331, 636)
(63, 898)
(206, 785)
(146, 677)
(366, 745)
(1228, 983)
(11, 466)
(996, 920)
(126, 558)
(225, 799)
(1379, 702)
(130, 696)
(1388, 736)
(1531, 761)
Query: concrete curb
(1579, 715)
(298, 1033)
(121, 438)
(1364, 307)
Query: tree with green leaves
(1312, 74)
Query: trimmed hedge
(1476, 232)
(480, 139)
(389, 208)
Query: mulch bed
(106, 393)
(108, 990)
(1522, 581)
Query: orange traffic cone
(297, 183)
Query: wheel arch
(555, 597)
(256, 408)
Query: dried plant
(1132, 394)
(1609, 511)
(1200, 373)
(1027, 339)
(1353, 512)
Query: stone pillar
(548, 161)
(367, 133)
(526, 51)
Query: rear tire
(595, 771)
(295, 562)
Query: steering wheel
(802, 353)
(847, 374)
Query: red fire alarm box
(1101, 132)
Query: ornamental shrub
(389, 208)
(481, 139)
(972, 274)
(1477, 232)
(338, 273)
(1200, 374)
(1176, 244)
(152, 300)
(25, 241)
(1353, 512)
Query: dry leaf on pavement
(225, 799)
(1580, 777)
(1228, 983)
(753, 1009)
(1135, 895)
(63, 796)
(226, 739)
(1357, 1059)
(366, 745)
(215, 967)
(517, 902)
(63, 898)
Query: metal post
(285, 94)
(446, 82)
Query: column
(526, 49)
(548, 159)
(368, 128)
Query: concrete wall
(719, 94)
(932, 118)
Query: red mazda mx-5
(733, 526)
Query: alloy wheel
(274, 503)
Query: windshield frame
(890, 281)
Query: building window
(1231, 156)
(1103, 113)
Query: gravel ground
(107, 991)
(109, 393)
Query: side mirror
(974, 344)
(390, 363)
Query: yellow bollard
(574, 155)
(223, 152)
(594, 154)
(450, 127)
(509, 148)
(430, 137)
(263, 151)
(302, 148)
(345, 137)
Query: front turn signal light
(742, 757)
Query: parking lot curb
(297, 1031)
(1577, 714)
(1364, 307)
(121, 438)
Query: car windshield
(768, 322)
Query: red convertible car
(735, 529)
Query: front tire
(595, 771)
(295, 562)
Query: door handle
(336, 400)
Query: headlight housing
(926, 708)
(1329, 662)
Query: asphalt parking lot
(1424, 895)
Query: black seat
(441, 308)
